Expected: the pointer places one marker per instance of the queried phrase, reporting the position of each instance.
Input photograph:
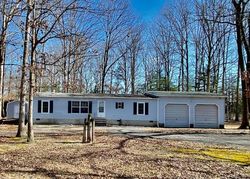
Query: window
(75, 106)
(79, 106)
(119, 105)
(45, 106)
(101, 106)
(140, 108)
(84, 106)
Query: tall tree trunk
(179, 80)
(3, 88)
(10, 80)
(237, 95)
(133, 75)
(182, 69)
(20, 131)
(111, 82)
(224, 63)
(2, 61)
(197, 71)
(187, 61)
(245, 122)
(30, 132)
(104, 67)
(208, 72)
(125, 75)
(103, 82)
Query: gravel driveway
(229, 137)
(241, 140)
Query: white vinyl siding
(176, 115)
(206, 116)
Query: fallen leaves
(61, 155)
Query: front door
(101, 109)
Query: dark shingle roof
(90, 95)
(156, 94)
(147, 95)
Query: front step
(100, 122)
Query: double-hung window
(45, 106)
(79, 106)
(84, 106)
(140, 108)
(75, 106)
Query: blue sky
(148, 9)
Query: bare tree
(179, 22)
(41, 33)
(8, 10)
(242, 28)
(20, 131)
(163, 45)
(130, 50)
(114, 22)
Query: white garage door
(206, 116)
(176, 115)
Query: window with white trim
(84, 106)
(140, 108)
(79, 106)
(45, 106)
(75, 108)
(101, 106)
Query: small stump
(88, 130)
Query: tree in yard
(43, 23)
(242, 25)
(76, 50)
(214, 41)
(26, 43)
(134, 47)
(162, 41)
(130, 50)
(43, 28)
(179, 22)
(114, 23)
(7, 12)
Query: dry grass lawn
(59, 154)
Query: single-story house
(164, 109)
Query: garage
(206, 116)
(177, 115)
